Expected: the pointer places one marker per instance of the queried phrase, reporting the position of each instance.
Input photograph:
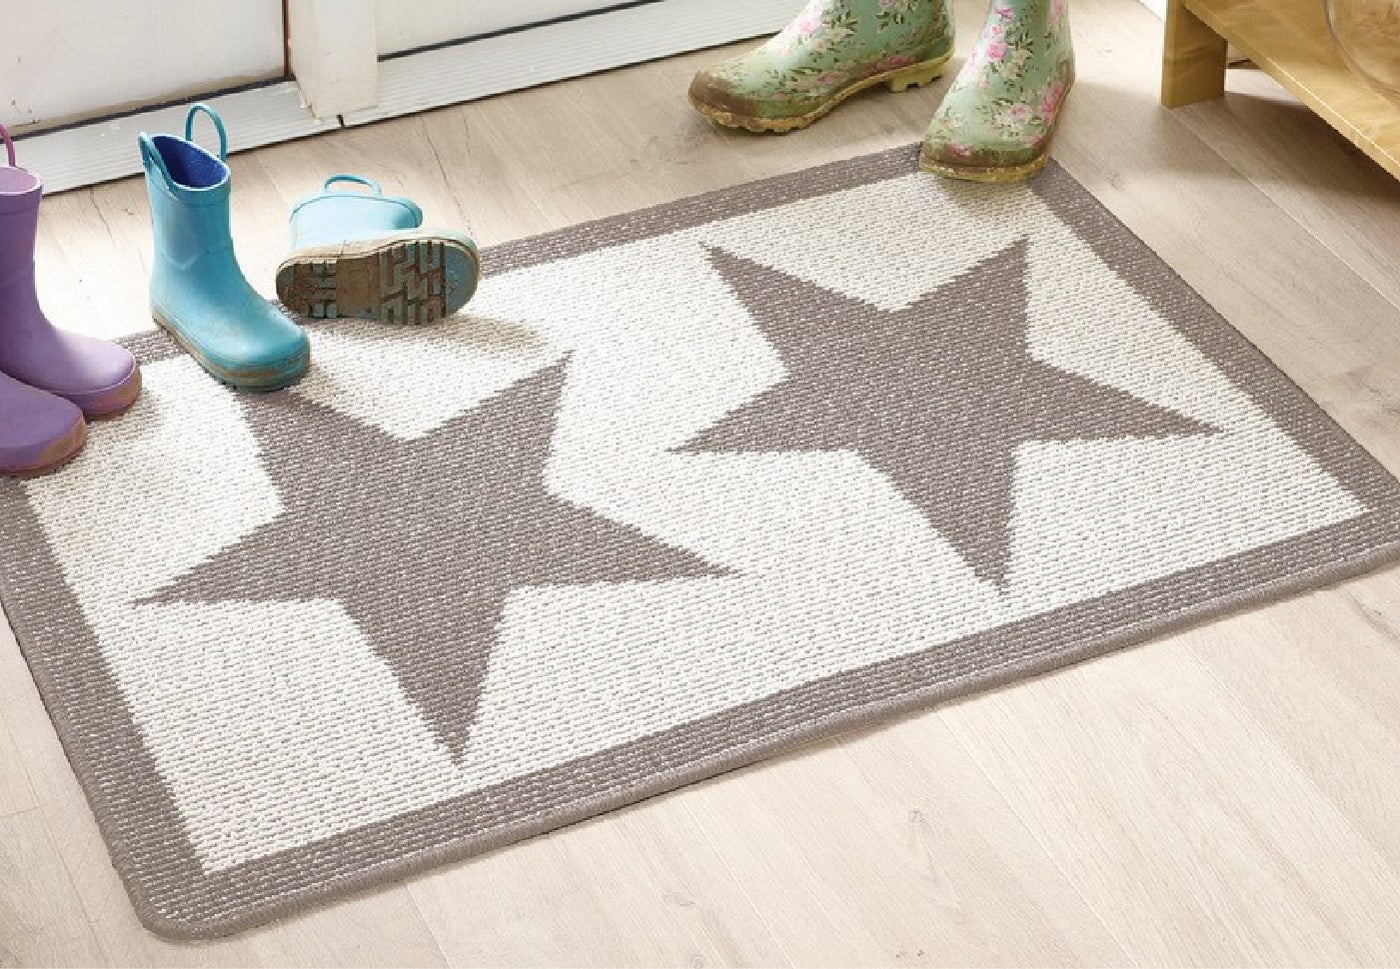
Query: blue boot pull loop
(9, 146)
(218, 126)
(357, 179)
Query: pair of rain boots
(52, 381)
(996, 121)
(354, 253)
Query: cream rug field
(682, 489)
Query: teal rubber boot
(367, 254)
(198, 292)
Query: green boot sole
(915, 75)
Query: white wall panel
(63, 59)
(101, 149)
(552, 52)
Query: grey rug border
(134, 808)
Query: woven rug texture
(682, 489)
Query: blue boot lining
(189, 165)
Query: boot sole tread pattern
(406, 282)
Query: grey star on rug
(422, 541)
(937, 396)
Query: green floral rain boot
(997, 120)
(834, 49)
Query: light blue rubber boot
(367, 254)
(198, 292)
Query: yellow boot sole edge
(915, 75)
(992, 175)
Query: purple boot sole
(38, 431)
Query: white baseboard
(507, 62)
(104, 149)
(101, 150)
(1159, 7)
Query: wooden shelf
(1289, 39)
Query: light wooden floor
(1229, 795)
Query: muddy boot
(367, 254)
(98, 376)
(998, 119)
(834, 49)
(198, 292)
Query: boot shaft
(881, 15)
(330, 217)
(1030, 44)
(20, 194)
(914, 27)
(1043, 18)
(188, 190)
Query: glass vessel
(1367, 33)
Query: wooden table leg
(1193, 59)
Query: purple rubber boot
(97, 375)
(38, 431)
